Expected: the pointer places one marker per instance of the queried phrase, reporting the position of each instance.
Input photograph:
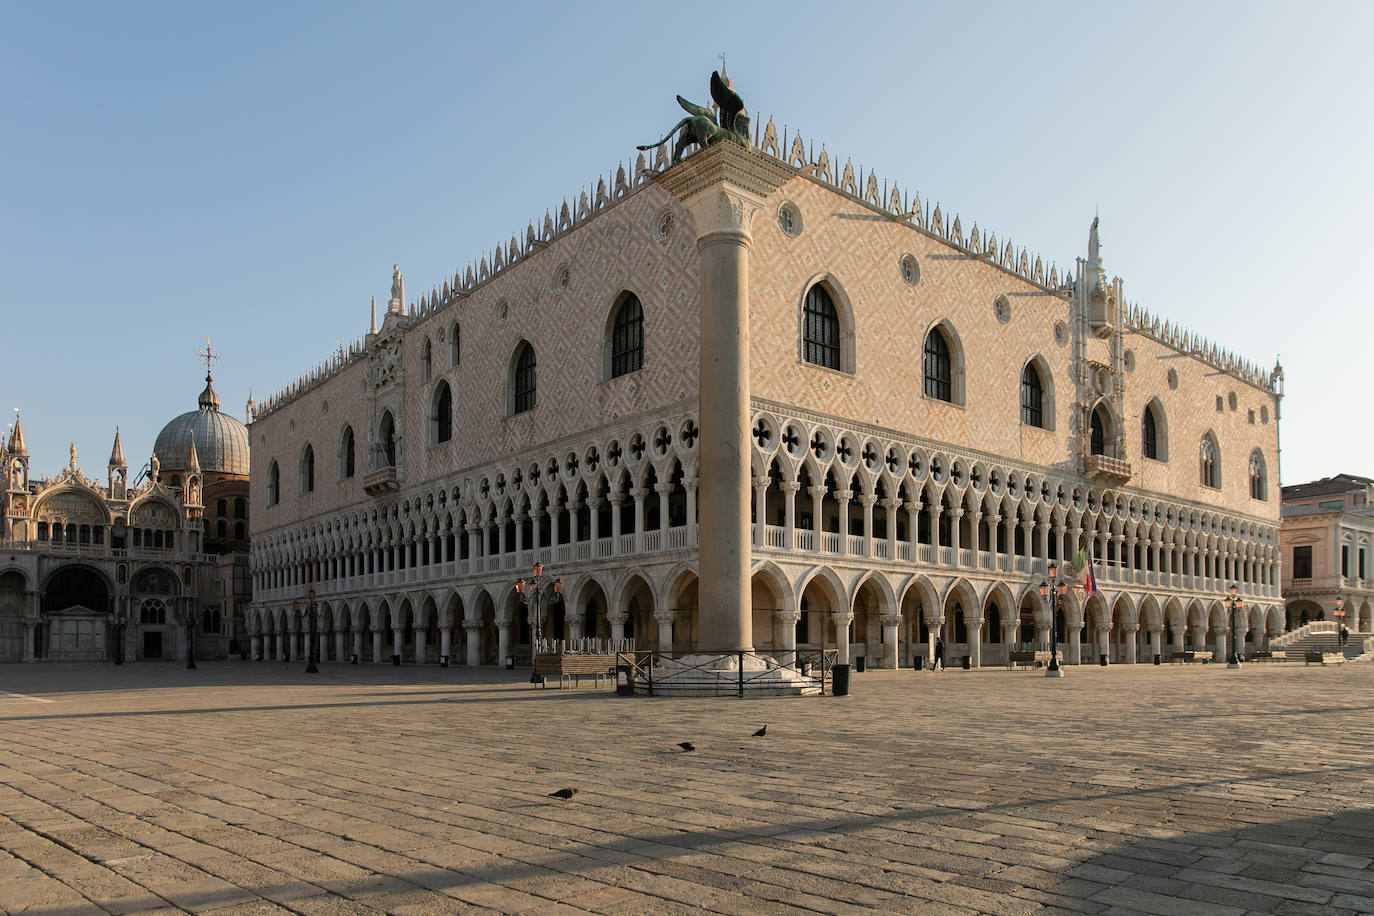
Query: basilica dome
(221, 441)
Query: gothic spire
(117, 453)
(17, 439)
(193, 462)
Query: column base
(1054, 672)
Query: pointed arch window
(821, 329)
(347, 461)
(1097, 432)
(939, 372)
(441, 415)
(386, 440)
(1149, 434)
(523, 381)
(1032, 397)
(273, 484)
(1259, 480)
(426, 360)
(627, 337)
(308, 469)
(1209, 461)
(455, 350)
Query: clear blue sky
(250, 172)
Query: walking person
(939, 654)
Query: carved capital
(724, 186)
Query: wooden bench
(1266, 655)
(1191, 655)
(575, 667)
(1031, 659)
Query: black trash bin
(1102, 660)
(968, 663)
(396, 660)
(918, 662)
(840, 686)
(624, 686)
(1157, 658)
(858, 664)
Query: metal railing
(812, 667)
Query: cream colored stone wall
(618, 251)
(857, 252)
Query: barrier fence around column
(665, 671)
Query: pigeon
(760, 733)
(687, 745)
(563, 793)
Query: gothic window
(1097, 432)
(152, 612)
(441, 415)
(273, 485)
(821, 329)
(1210, 463)
(1149, 434)
(426, 360)
(523, 379)
(1032, 397)
(454, 346)
(1259, 484)
(211, 622)
(347, 465)
(387, 438)
(308, 469)
(939, 378)
(627, 337)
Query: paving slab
(244, 788)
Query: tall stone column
(723, 187)
(473, 629)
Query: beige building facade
(934, 416)
(1328, 545)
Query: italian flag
(1082, 564)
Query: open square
(251, 787)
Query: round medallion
(911, 270)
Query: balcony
(1107, 469)
(381, 481)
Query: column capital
(787, 614)
(891, 502)
(761, 483)
(868, 499)
(790, 486)
(844, 496)
(724, 186)
(816, 492)
(890, 620)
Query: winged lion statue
(701, 126)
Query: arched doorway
(74, 606)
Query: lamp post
(535, 592)
(1059, 587)
(314, 653)
(1233, 604)
(190, 640)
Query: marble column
(723, 187)
(842, 620)
(890, 623)
(473, 630)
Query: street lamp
(1233, 604)
(1060, 588)
(535, 592)
(314, 653)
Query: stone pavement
(247, 787)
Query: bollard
(840, 686)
